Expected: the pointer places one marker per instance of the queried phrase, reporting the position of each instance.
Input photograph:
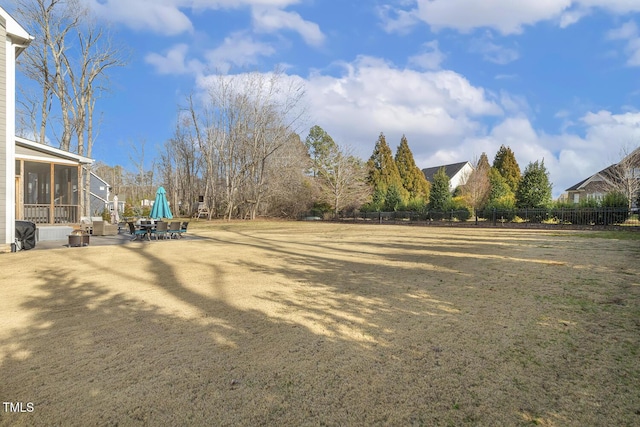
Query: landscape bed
(307, 323)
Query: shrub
(320, 209)
(106, 215)
(615, 199)
(416, 205)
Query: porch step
(52, 232)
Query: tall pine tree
(505, 162)
(320, 145)
(413, 180)
(483, 163)
(383, 172)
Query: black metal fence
(550, 216)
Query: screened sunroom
(48, 183)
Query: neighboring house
(48, 183)
(99, 195)
(13, 40)
(593, 187)
(600, 183)
(458, 173)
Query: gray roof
(577, 186)
(635, 155)
(450, 170)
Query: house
(593, 187)
(458, 173)
(13, 40)
(48, 183)
(101, 197)
(600, 183)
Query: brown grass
(260, 323)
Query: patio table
(148, 228)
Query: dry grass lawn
(286, 323)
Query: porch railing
(41, 214)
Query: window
(66, 185)
(37, 185)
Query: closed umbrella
(116, 216)
(160, 207)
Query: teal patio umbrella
(160, 207)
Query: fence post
(495, 219)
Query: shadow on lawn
(353, 341)
(89, 356)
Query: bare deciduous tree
(69, 63)
(180, 166)
(343, 178)
(291, 191)
(249, 119)
(478, 186)
(624, 176)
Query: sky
(555, 80)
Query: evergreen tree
(320, 145)
(500, 194)
(382, 170)
(534, 190)
(483, 163)
(393, 199)
(413, 180)
(505, 162)
(440, 196)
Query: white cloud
(505, 16)
(626, 31)
(238, 50)
(272, 20)
(430, 58)
(174, 61)
(144, 15)
(167, 17)
(629, 33)
(493, 52)
(615, 6)
(396, 20)
(572, 16)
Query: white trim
(45, 159)
(53, 151)
(15, 30)
(17, 40)
(10, 150)
(98, 197)
(100, 179)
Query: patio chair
(136, 232)
(161, 229)
(183, 227)
(174, 229)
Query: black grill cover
(26, 234)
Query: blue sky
(553, 79)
